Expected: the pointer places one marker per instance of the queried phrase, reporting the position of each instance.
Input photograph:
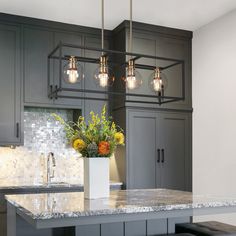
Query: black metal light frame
(54, 92)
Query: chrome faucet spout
(51, 162)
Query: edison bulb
(157, 84)
(131, 82)
(73, 71)
(103, 79)
(72, 76)
(103, 75)
(133, 79)
(158, 81)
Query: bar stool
(182, 234)
(209, 228)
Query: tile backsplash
(42, 134)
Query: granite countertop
(7, 187)
(69, 205)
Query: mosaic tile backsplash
(42, 134)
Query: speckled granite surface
(61, 205)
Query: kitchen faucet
(51, 162)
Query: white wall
(214, 103)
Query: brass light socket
(103, 65)
(131, 68)
(73, 61)
(157, 73)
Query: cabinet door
(38, 43)
(177, 49)
(10, 92)
(143, 171)
(3, 224)
(168, 47)
(75, 39)
(144, 44)
(174, 141)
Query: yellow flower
(78, 144)
(119, 138)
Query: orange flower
(103, 148)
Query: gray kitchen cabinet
(141, 150)
(115, 229)
(3, 223)
(144, 44)
(75, 39)
(179, 49)
(174, 142)
(10, 85)
(37, 45)
(158, 150)
(163, 42)
(130, 228)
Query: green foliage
(99, 128)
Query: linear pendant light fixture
(73, 72)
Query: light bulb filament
(131, 82)
(103, 79)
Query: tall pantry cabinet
(158, 151)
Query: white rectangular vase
(96, 178)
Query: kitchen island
(125, 212)
(8, 188)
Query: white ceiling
(183, 14)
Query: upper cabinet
(37, 45)
(10, 84)
(68, 38)
(161, 42)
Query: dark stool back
(183, 234)
(209, 228)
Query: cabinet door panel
(156, 227)
(141, 147)
(37, 45)
(3, 224)
(74, 39)
(115, 229)
(177, 49)
(144, 45)
(87, 230)
(173, 138)
(10, 85)
(135, 228)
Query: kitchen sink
(55, 184)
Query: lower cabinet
(3, 223)
(132, 228)
(10, 83)
(158, 150)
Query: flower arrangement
(98, 138)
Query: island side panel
(17, 226)
(11, 220)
